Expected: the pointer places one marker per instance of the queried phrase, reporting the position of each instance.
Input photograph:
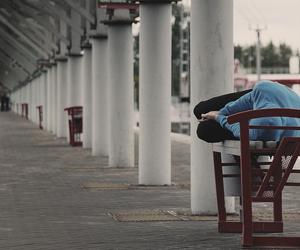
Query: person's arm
(217, 103)
(234, 128)
(244, 103)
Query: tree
(270, 56)
(238, 53)
(246, 55)
(285, 52)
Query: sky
(278, 19)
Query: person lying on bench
(212, 114)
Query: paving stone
(45, 206)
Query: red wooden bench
(75, 125)
(260, 181)
(25, 110)
(40, 112)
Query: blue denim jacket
(265, 95)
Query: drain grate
(184, 185)
(105, 186)
(157, 216)
(81, 169)
(125, 186)
(143, 216)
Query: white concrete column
(62, 63)
(25, 94)
(30, 100)
(120, 75)
(18, 106)
(44, 98)
(24, 97)
(100, 120)
(14, 97)
(73, 93)
(61, 97)
(22, 94)
(49, 99)
(34, 100)
(211, 75)
(41, 93)
(74, 97)
(54, 98)
(155, 94)
(20, 98)
(15, 101)
(12, 100)
(28, 95)
(38, 97)
(86, 89)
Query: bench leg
(219, 190)
(247, 238)
(277, 205)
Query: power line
(258, 31)
(252, 13)
(260, 13)
(242, 14)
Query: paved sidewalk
(54, 196)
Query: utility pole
(258, 57)
(258, 31)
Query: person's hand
(212, 115)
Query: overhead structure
(31, 34)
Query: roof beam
(11, 80)
(12, 63)
(15, 54)
(60, 13)
(32, 27)
(18, 45)
(11, 50)
(47, 25)
(82, 11)
(23, 37)
(15, 70)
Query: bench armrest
(251, 114)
